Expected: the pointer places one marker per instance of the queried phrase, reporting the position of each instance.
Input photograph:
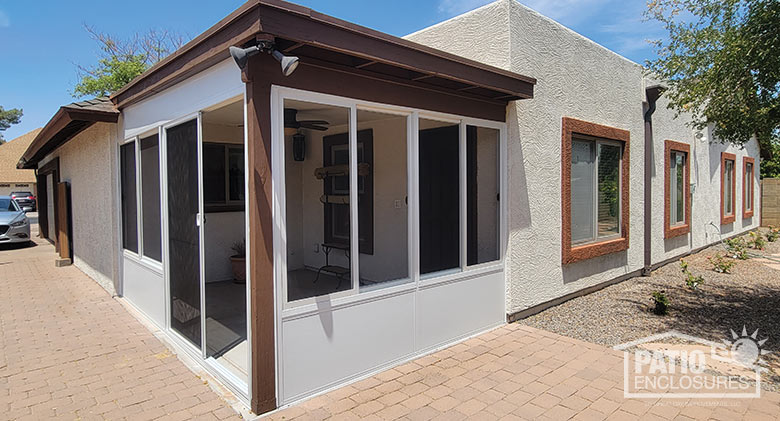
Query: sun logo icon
(746, 349)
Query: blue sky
(41, 42)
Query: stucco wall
(575, 78)
(705, 178)
(85, 162)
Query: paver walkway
(512, 373)
(70, 351)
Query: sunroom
(372, 204)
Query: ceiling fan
(291, 122)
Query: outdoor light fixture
(299, 147)
(241, 56)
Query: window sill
(589, 251)
(676, 231)
(223, 208)
(728, 219)
(747, 214)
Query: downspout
(652, 93)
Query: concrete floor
(226, 326)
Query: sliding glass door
(184, 222)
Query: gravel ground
(749, 296)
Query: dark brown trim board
(748, 213)
(320, 39)
(260, 241)
(669, 147)
(50, 168)
(574, 254)
(69, 121)
(728, 219)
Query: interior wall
(305, 212)
(222, 229)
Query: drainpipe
(652, 93)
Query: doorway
(207, 304)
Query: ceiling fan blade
(317, 122)
(314, 127)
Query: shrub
(757, 240)
(239, 248)
(691, 280)
(720, 264)
(773, 234)
(737, 248)
(661, 303)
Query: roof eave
(42, 144)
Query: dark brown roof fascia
(47, 139)
(305, 26)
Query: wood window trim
(748, 213)
(572, 254)
(670, 231)
(728, 219)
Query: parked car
(25, 199)
(14, 225)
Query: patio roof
(320, 40)
(69, 121)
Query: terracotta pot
(239, 268)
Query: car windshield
(8, 205)
(21, 193)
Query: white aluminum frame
(284, 310)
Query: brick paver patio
(70, 351)
(512, 373)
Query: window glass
(677, 188)
(608, 190)
(583, 162)
(129, 198)
(383, 214)
(213, 173)
(236, 173)
(150, 197)
(317, 197)
(439, 190)
(728, 188)
(680, 187)
(749, 186)
(482, 190)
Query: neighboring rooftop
(10, 152)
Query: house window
(748, 189)
(150, 197)
(728, 186)
(223, 177)
(595, 190)
(677, 206)
(129, 197)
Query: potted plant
(238, 261)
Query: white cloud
(5, 21)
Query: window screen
(129, 198)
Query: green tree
(120, 61)
(7, 118)
(721, 62)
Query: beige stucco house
(392, 196)
(11, 178)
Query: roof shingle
(10, 152)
